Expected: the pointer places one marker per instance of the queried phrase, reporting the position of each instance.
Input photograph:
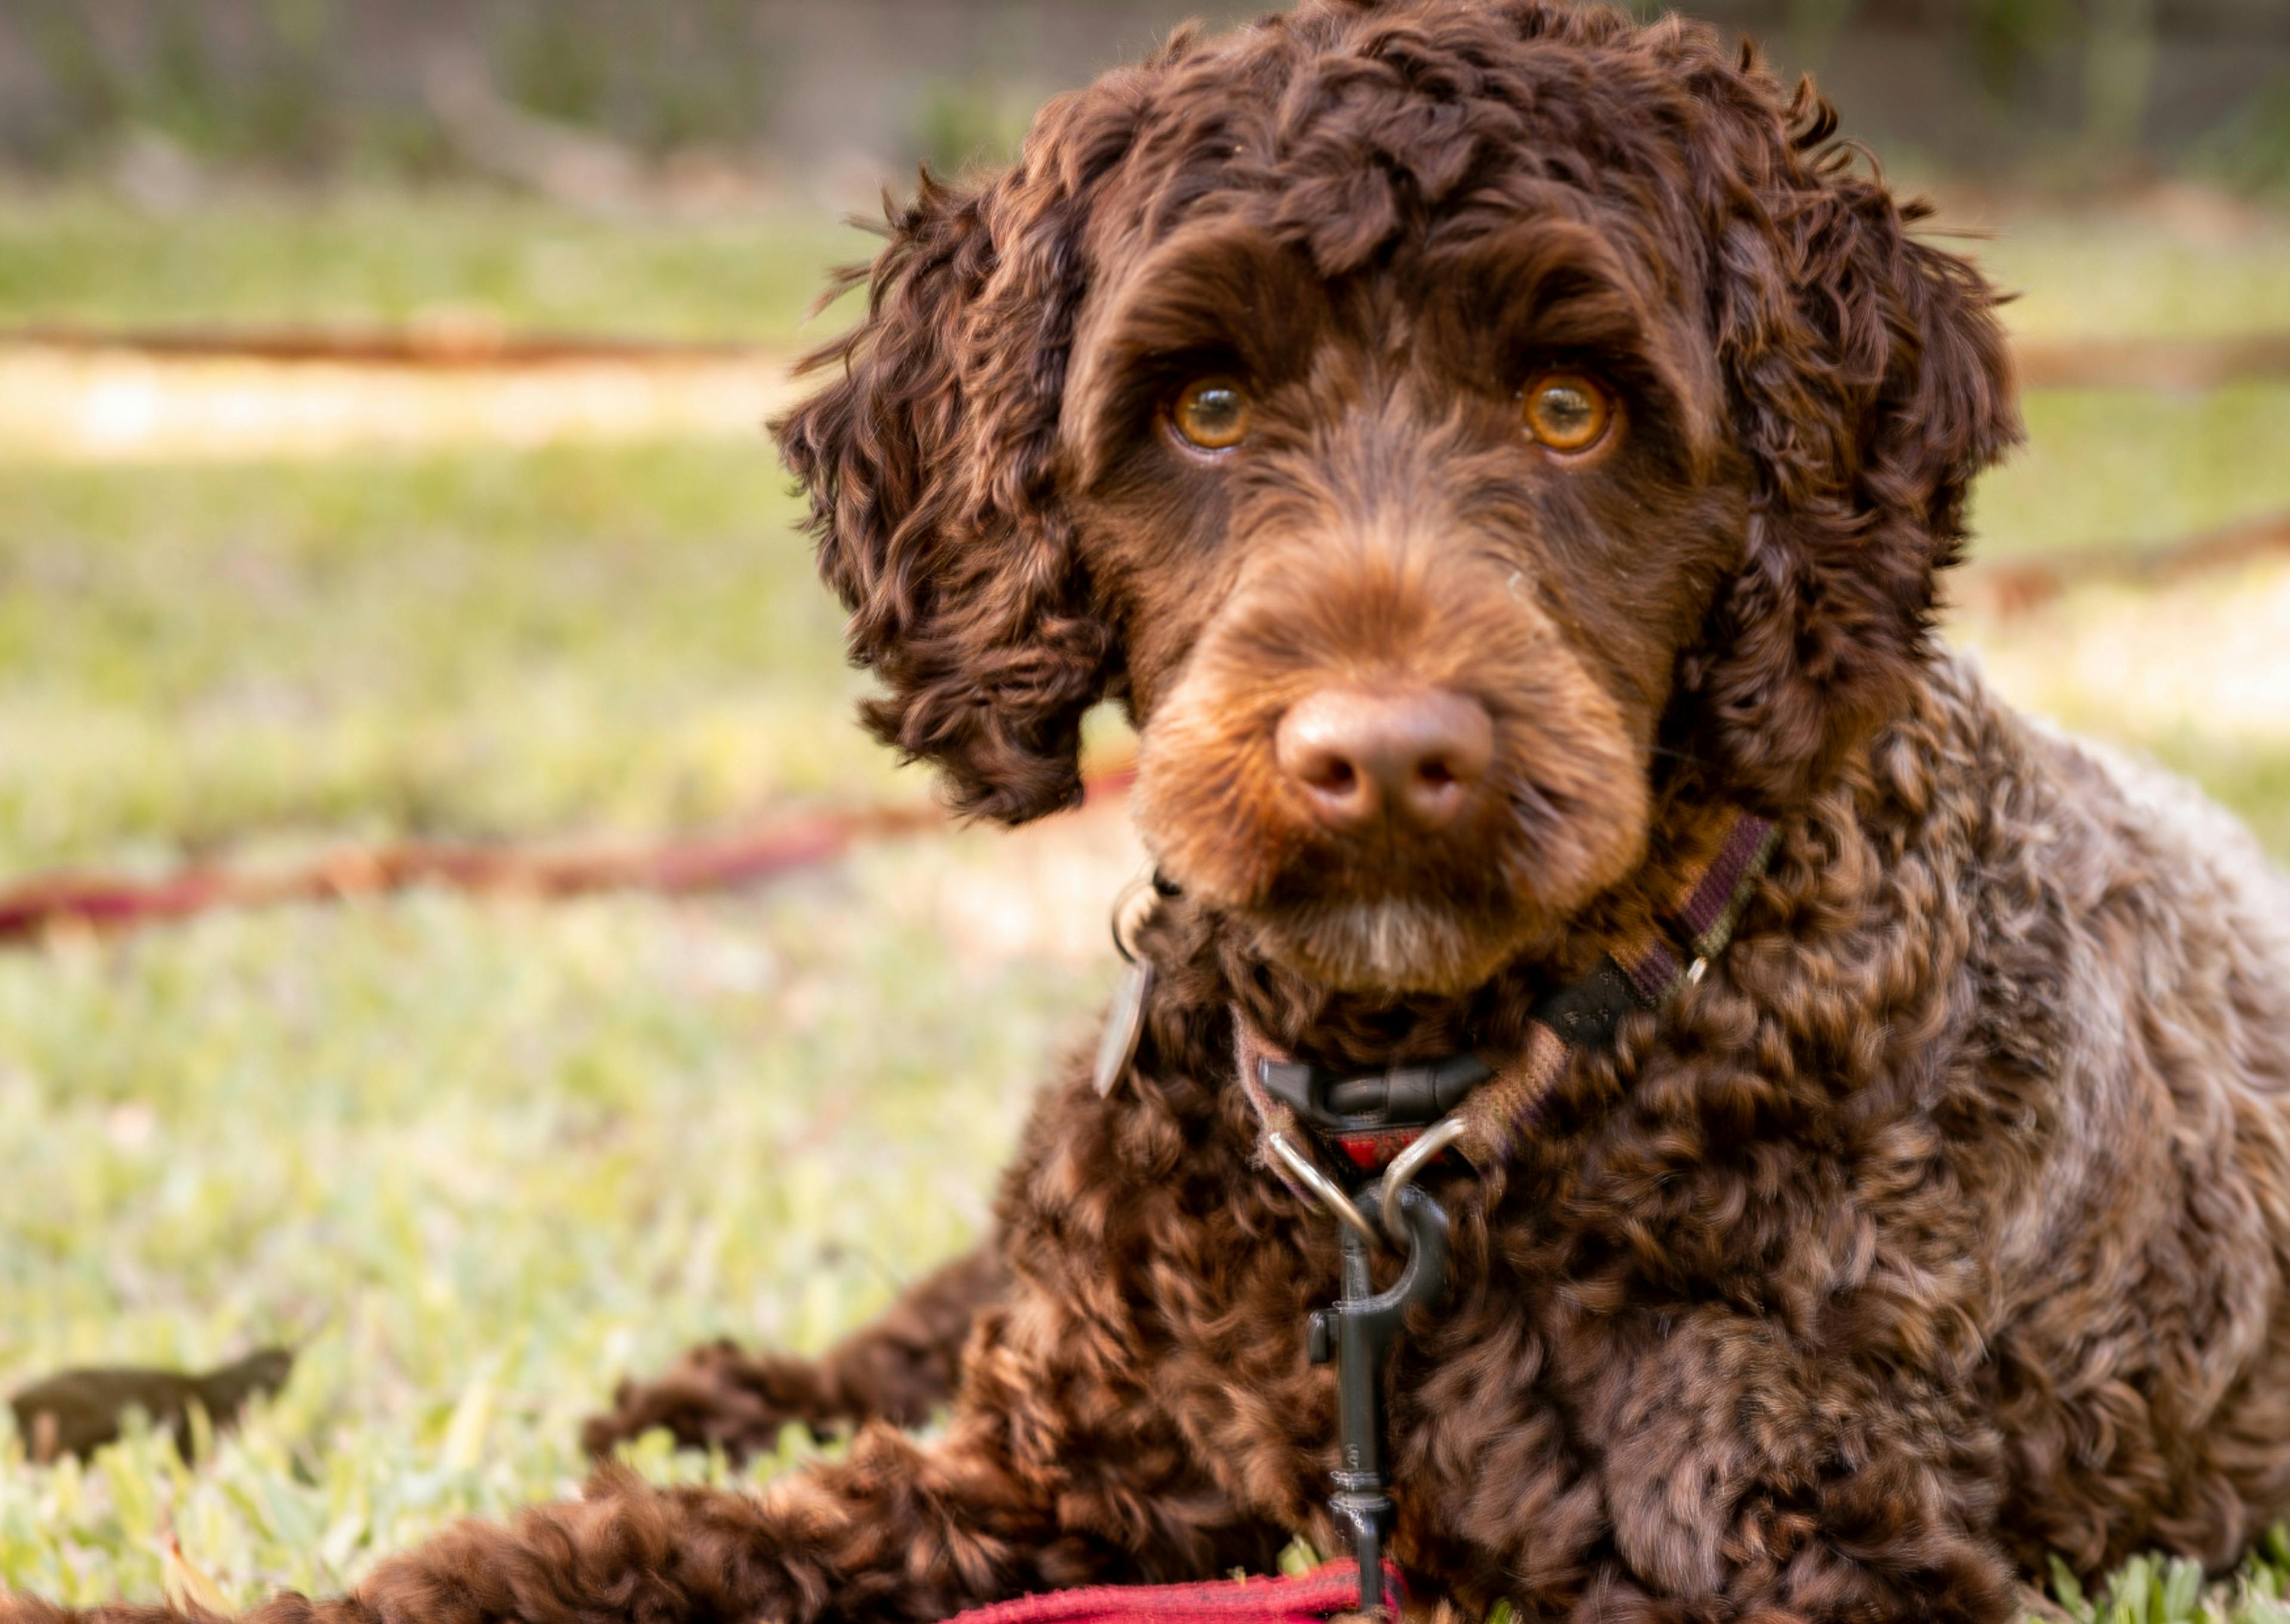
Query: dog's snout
(1359, 758)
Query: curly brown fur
(899, 1369)
(1944, 1223)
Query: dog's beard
(1435, 914)
(1392, 945)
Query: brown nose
(1412, 758)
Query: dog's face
(1401, 561)
(1431, 421)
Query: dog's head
(1431, 420)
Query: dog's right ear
(927, 462)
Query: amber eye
(1211, 413)
(1566, 411)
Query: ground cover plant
(2196, 268)
(475, 1157)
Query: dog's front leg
(1053, 1471)
(898, 1531)
(1742, 1478)
(898, 1369)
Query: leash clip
(1356, 1331)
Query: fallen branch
(446, 340)
(462, 339)
(34, 908)
(2014, 586)
(2154, 363)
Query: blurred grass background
(475, 1157)
(86, 253)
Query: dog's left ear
(1868, 380)
(928, 462)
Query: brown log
(2153, 364)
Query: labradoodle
(1496, 452)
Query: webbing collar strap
(1369, 1119)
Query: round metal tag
(1125, 1020)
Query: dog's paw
(715, 1396)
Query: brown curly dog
(1491, 449)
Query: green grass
(2129, 467)
(2156, 1590)
(2087, 275)
(389, 256)
(2252, 783)
(607, 639)
(579, 639)
(483, 1157)
(385, 254)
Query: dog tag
(1116, 1045)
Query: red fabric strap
(1305, 1599)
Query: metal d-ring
(1425, 1150)
(1130, 906)
(1331, 1197)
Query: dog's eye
(1565, 412)
(1211, 413)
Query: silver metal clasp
(1396, 1233)
(1427, 1148)
(1331, 1195)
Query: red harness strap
(1305, 1599)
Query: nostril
(1360, 757)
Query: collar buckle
(1402, 1097)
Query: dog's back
(2133, 945)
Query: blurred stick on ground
(470, 339)
(700, 863)
(2015, 586)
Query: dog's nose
(1412, 758)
